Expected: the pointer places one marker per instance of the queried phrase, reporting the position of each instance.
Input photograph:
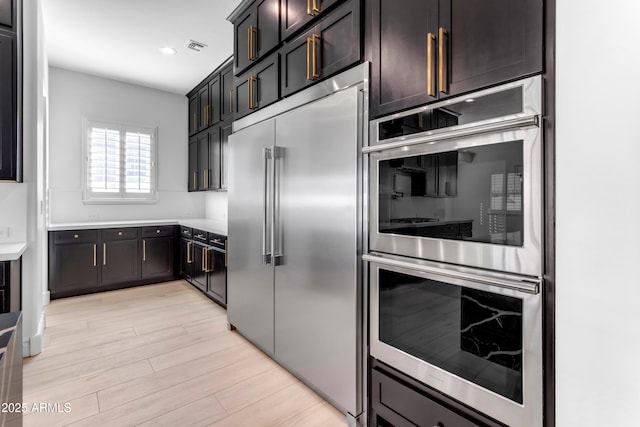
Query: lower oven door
(474, 336)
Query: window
(120, 163)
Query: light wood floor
(160, 355)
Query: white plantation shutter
(120, 163)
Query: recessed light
(168, 50)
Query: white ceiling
(119, 39)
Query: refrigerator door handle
(267, 238)
(276, 250)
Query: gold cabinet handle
(442, 84)
(309, 9)
(195, 121)
(204, 259)
(204, 178)
(94, 254)
(254, 43)
(316, 9)
(430, 89)
(189, 260)
(225, 252)
(231, 100)
(309, 42)
(195, 180)
(252, 92)
(104, 254)
(249, 43)
(249, 93)
(144, 250)
(314, 56)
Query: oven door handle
(527, 286)
(517, 123)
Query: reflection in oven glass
(471, 194)
(473, 334)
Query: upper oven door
(467, 188)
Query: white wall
(73, 96)
(217, 206)
(598, 214)
(13, 212)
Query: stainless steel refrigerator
(295, 235)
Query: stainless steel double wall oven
(455, 240)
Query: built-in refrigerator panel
(250, 289)
(316, 245)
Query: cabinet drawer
(200, 235)
(75, 236)
(402, 405)
(160, 231)
(185, 232)
(217, 240)
(120, 234)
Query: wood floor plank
(170, 377)
(171, 398)
(88, 384)
(273, 409)
(254, 389)
(207, 409)
(319, 415)
(160, 355)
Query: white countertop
(12, 251)
(210, 225)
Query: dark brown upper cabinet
(213, 108)
(295, 14)
(225, 132)
(6, 13)
(192, 180)
(213, 176)
(9, 158)
(203, 107)
(258, 87)
(433, 49)
(256, 33)
(194, 114)
(226, 93)
(326, 48)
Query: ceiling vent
(197, 46)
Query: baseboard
(33, 345)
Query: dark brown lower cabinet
(323, 50)
(120, 256)
(73, 262)
(203, 262)
(158, 252)
(10, 285)
(199, 276)
(186, 260)
(86, 261)
(399, 401)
